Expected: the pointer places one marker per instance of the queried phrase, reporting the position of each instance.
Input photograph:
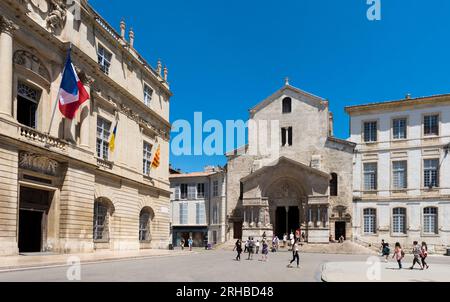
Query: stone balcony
(41, 139)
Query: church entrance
(286, 222)
(33, 216)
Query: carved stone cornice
(7, 26)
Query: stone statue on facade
(57, 15)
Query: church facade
(306, 184)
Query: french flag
(72, 93)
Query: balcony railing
(104, 164)
(38, 137)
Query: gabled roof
(282, 91)
(289, 161)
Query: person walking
(251, 248)
(257, 247)
(284, 240)
(246, 245)
(424, 255)
(399, 254)
(265, 251)
(238, 249)
(190, 243)
(385, 250)
(295, 256)
(417, 251)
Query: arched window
(102, 212)
(430, 220)
(145, 218)
(370, 221)
(334, 185)
(399, 221)
(287, 105)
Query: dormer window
(287, 105)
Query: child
(399, 254)
(424, 255)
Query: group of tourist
(253, 247)
(419, 251)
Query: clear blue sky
(225, 56)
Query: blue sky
(225, 56)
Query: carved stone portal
(38, 163)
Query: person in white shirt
(257, 246)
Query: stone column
(7, 28)
(85, 116)
(287, 220)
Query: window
(370, 176)
(148, 92)
(101, 231)
(184, 191)
(147, 158)
(144, 225)
(431, 173)
(103, 128)
(201, 190)
(399, 175)
(370, 220)
(334, 185)
(215, 188)
(215, 215)
(286, 136)
(399, 128)
(177, 193)
(287, 105)
(430, 220)
(431, 125)
(370, 132)
(200, 213)
(183, 213)
(399, 220)
(192, 189)
(104, 59)
(27, 104)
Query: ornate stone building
(306, 183)
(62, 188)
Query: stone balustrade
(35, 136)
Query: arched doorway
(286, 206)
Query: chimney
(122, 29)
(131, 35)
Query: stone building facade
(401, 173)
(61, 187)
(305, 181)
(198, 206)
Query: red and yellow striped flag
(156, 158)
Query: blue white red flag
(72, 93)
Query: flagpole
(59, 93)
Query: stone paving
(220, 266)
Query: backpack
(403, 254)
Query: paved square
(203, 266)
